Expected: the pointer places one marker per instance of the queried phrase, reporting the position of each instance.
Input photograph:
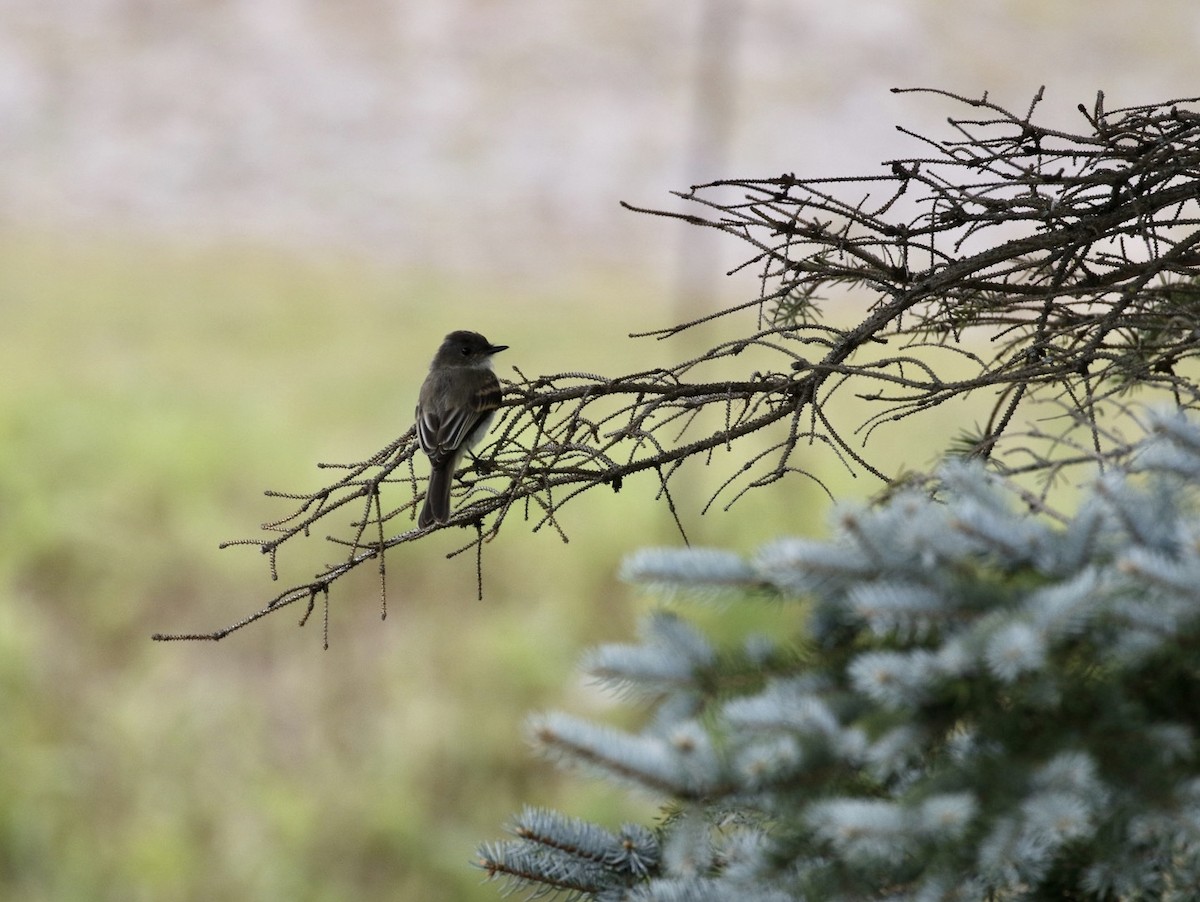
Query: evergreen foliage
(985, 704)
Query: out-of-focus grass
(150, 395)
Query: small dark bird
(456, 406)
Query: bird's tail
(437, 495)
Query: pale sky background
(499, 135)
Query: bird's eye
(466, 352)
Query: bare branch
(1054, 267)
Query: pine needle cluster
(984, 705)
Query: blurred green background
(232, 234)
(152, 394)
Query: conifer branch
(1006, 711)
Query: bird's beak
(496, 349)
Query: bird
(455, 407)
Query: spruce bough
(985, 704)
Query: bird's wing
(444, 433)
